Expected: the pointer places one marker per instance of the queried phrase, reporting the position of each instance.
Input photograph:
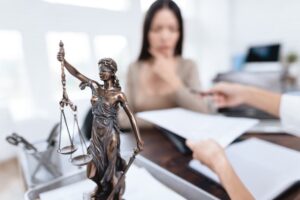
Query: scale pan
(67, 149)
(81, 160)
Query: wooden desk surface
(161, 151)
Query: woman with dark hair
(161, 78)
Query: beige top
(139, 100)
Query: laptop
(263, 58)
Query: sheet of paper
(74, 191)
(197, 126)
(268, 126)
(140, 184)
(265, 168)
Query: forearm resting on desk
(185, 98)
(124, 122)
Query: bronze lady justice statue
(107, 166)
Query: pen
(202, 93)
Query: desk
(161, 151)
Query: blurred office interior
(218, 36)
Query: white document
(75, 191)
(265, 168)
(140, 184)
(197, 126)
(268, 126)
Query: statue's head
(107, 69)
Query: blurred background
(218, 36)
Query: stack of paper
(140, 184)
(197, 126)
(265, 168)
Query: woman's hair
(154, 8)
(111, 65)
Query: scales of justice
(105, 166)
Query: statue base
(91, 196)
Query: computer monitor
(264, 53)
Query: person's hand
(164, 66)
(60, 56)
(228, 94)
(208, 152)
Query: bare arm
(230, 95)
(263, 100)
(132, 120)
(73, 70)
(231, 182)
(76, 73)
(211, 154)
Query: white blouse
(290, 113)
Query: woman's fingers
(219, 100)
(190, 144)
(155, 53)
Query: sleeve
(123, 119)
(129, 87)
(290, 113)
(185, 98)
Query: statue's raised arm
(70, 68)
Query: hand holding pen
(202, 93)
(226, 94)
